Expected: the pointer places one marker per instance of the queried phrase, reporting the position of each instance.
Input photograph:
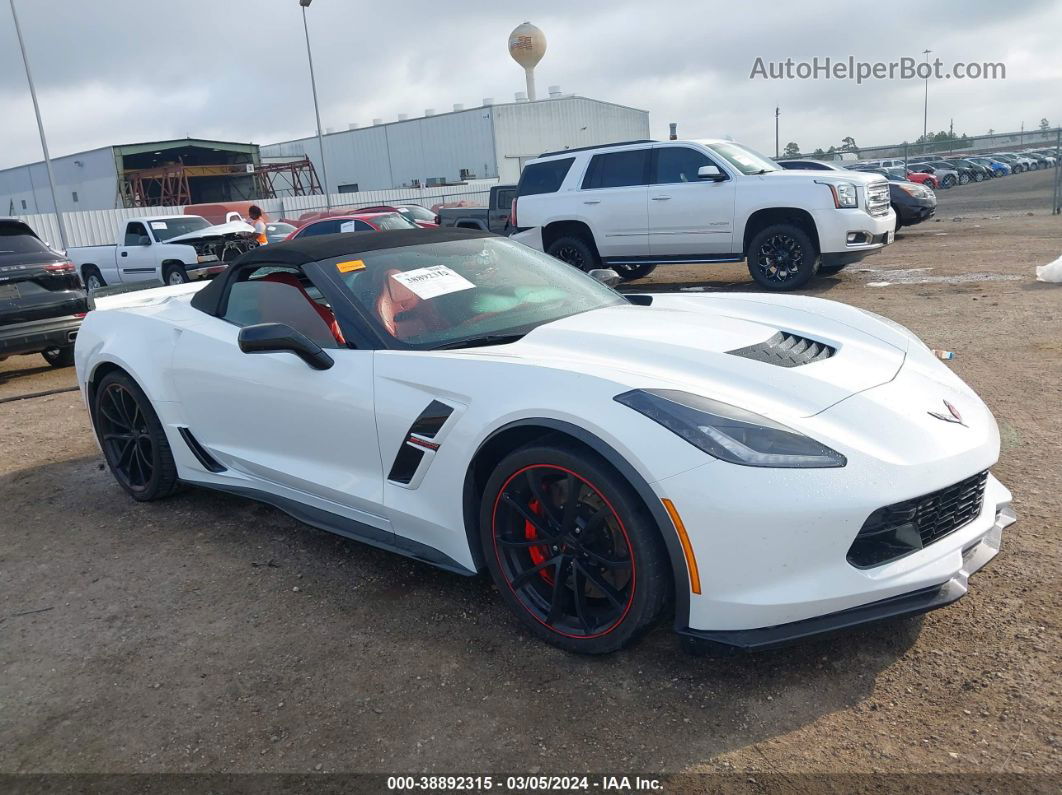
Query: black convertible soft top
(321, 247)
(316, 248)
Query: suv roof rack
(598, 146)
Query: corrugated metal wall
(91, 175)
(525, 130)
(386, 155)
(99, 227)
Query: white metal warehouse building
(491, 141)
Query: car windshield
(467, 292)
(392, 221)
(166, 228)
(417, 213)
(744, 159)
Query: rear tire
(133, 441)
(964, 179)
(175, 274)
(782, 257)
(92, 278)
(600, 577)
(576, 251)
(62, 356)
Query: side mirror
(606, 276)
(143, 240)
(710, 173)
(281, 338)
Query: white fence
(99, 227)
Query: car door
(275, 422)
(613, 201)
(688, 216)
(500, 209)
(135, 256)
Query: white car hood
(238, 228)
(683, 342)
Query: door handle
(595, 201)
(661, 198)
(125, 253)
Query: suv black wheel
(572, 549)
(782, 257)
(631, 272)
(60, 356)
(575, 251)
(132, 439)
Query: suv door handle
(661, 198)
(595, 201)
(125, 253)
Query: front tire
(964, 179)
(631, 272)
(576, 251)
(175, 274)
(61, 356)
(782, 257)
(133, 441)
(573, 551)
(948, 181)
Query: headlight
(844, 193)
(914, 190)
(729, 433)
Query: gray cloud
(117, 71)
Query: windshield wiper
(477, 342)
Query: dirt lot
(210, 633)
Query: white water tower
(527, 45)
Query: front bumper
(975, 556)
(206, 271)
(38, 335)
(836, 227)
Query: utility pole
(925, 108)
(316, 109)
(1021, 135)
(777, 151)
(40, 128)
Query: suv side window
(133, 233)
(617, 169)
(545, 177)
(678, 164)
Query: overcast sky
(125, 71)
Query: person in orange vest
(258, 221)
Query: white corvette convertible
(762, 467)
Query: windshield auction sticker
(432, 281)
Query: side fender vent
(210, 464)
(786, 350)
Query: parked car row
(962, 170)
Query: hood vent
(786, 350)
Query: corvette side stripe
(418, 439)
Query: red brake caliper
(538, 554)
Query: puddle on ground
(883, 277)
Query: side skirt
(348, 528)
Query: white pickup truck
(636, 205)
(173, 249)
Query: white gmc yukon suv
(636, 205)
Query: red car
(421, 216)
(924, 179)
(353, 222)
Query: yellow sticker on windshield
(350, 265)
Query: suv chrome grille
(878, 198)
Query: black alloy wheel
(570, 550)
(782, 257)
(132, 439)
(574, 250)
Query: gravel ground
(209, 633)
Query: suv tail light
(512, 214)
(60, 267)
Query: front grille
(897, 530)
(878, 198)
(786, 350)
